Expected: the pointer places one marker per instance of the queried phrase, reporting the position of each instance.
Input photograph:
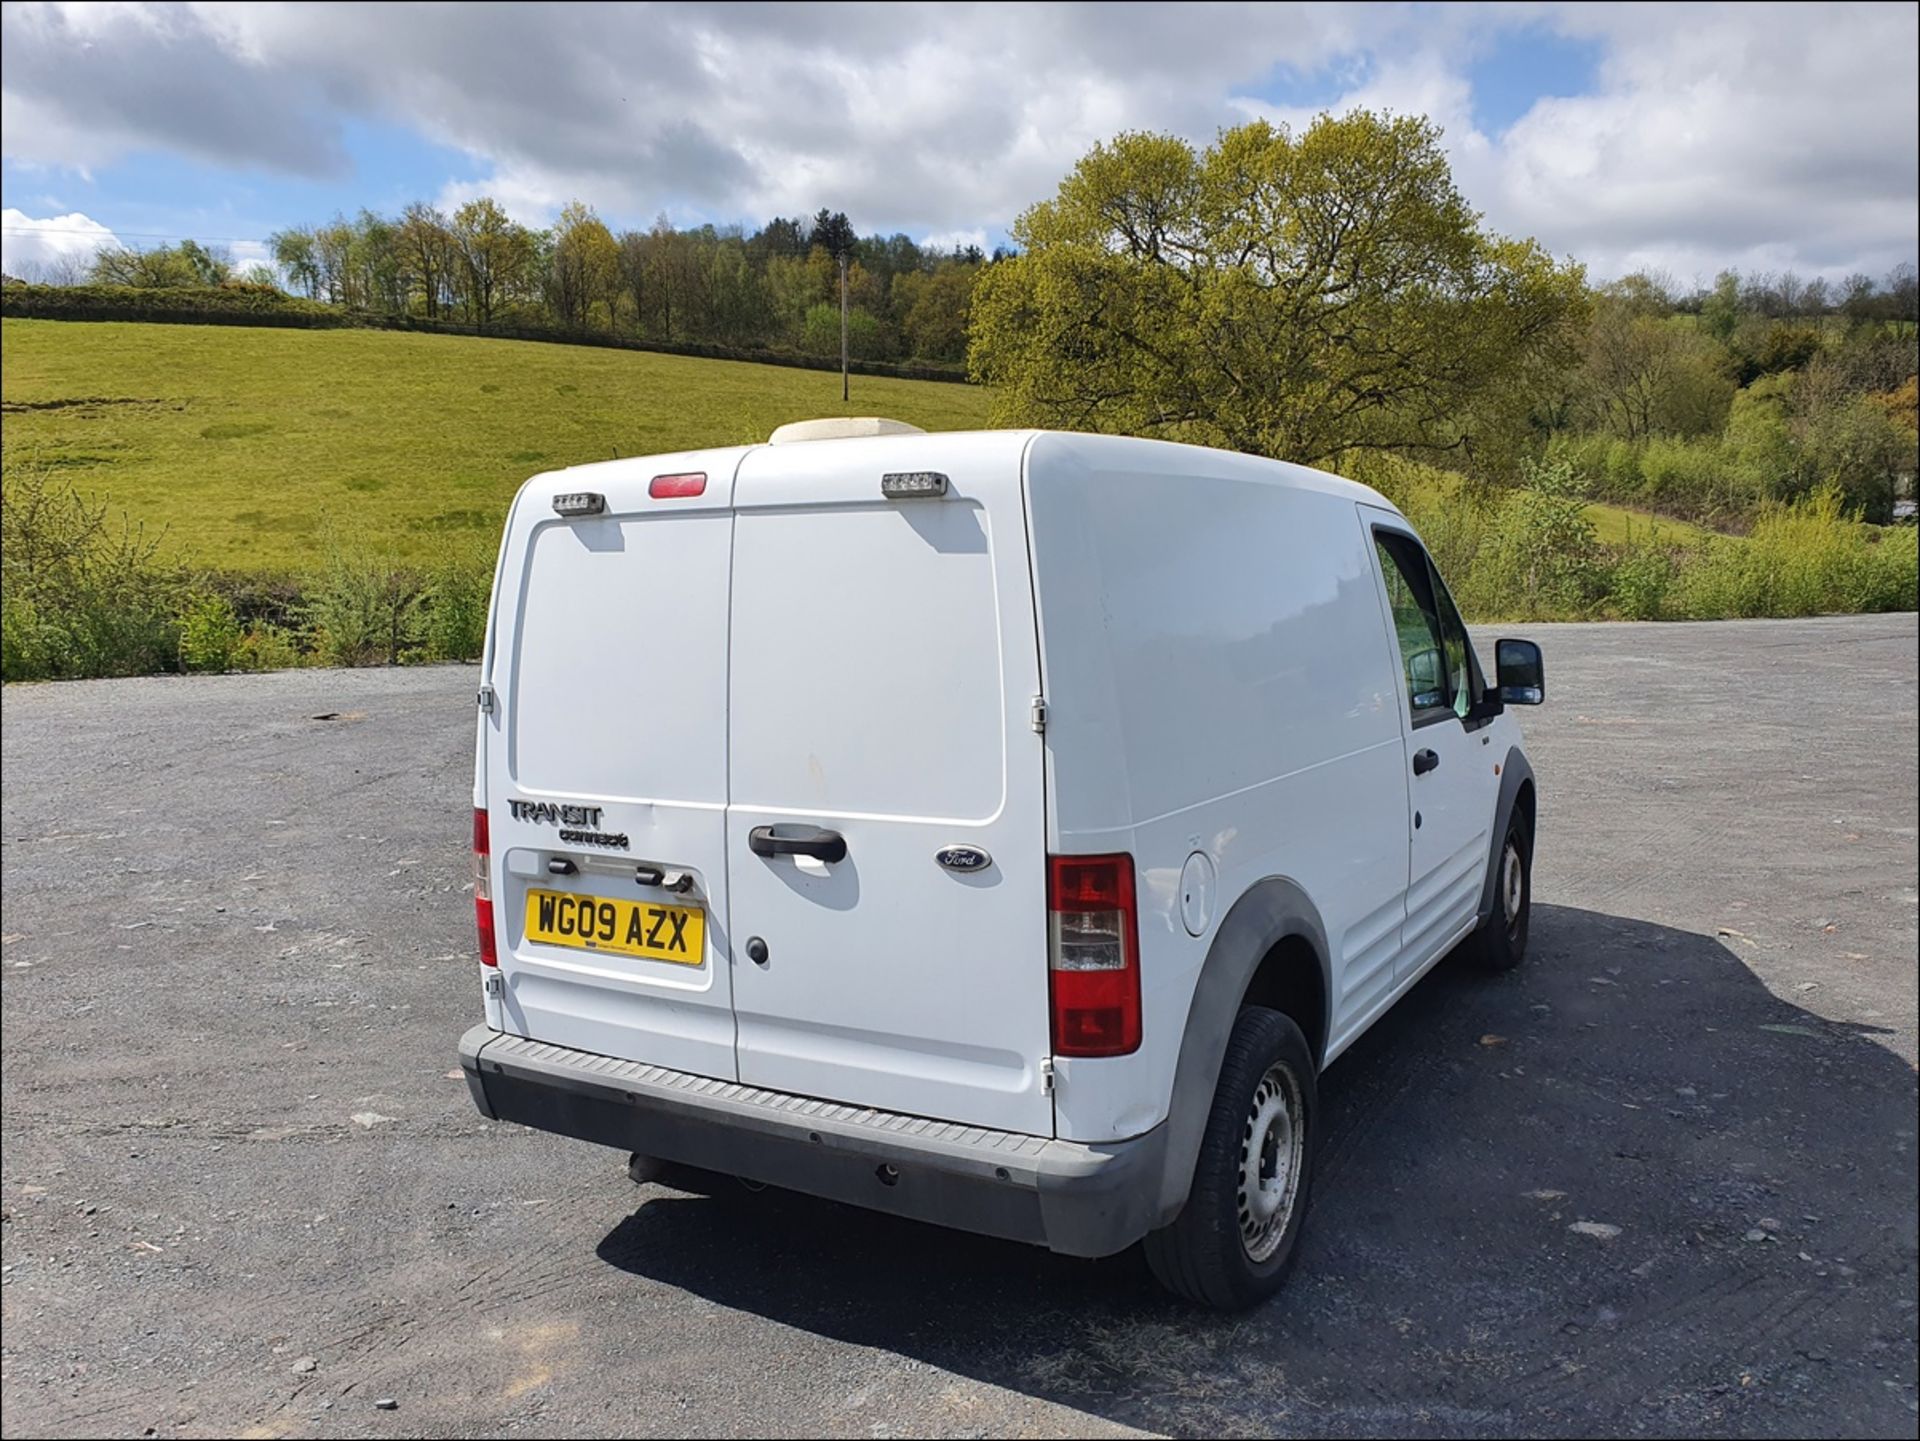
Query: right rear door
(883, 665)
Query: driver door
(1452, 785)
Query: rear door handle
(1424, 761)
(822, 845)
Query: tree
(935, 319)
(493, 256)
(1646, 372)
(188, 263)
(1294, 296)
(426, 246)
(833, 233)
(780, 237)
(585, 265)
(294, 252)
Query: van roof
(1195, 460)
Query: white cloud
(1712, 134)
(947, 240)
(47, 248)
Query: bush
(458, 589)
(1542, 559)
(365, 607)
(1810, 557)
(266, 646)
(209, 634)
(78, 596)
(1640, 576)
(242, 303)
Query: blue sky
(1683, 137)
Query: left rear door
(607, 765)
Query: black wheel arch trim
(1267, 913)
(1514, 774)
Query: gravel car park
(1660, 1179)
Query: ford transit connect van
(997, 829)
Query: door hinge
(1038, 714)
(495, 984)
(484, 699)
(1046, 1076)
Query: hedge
(263, 305)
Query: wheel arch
(1516, 789)
(1270, 949)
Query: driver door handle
(1424, 761)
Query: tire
(1219, 1251)
(1501, 943)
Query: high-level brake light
(668, 487)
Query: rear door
(606, 766)
(883, 671)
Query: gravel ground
(1660, 1180)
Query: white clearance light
(913, 485)
(579, 502)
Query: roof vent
(841, 427)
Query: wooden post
(843, 327)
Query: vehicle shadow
(1740, 1171)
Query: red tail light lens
(1093, 952)
(483, 891)
(666, 487)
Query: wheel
(1233, 1242)
(1502, 941)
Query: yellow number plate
(630, 928)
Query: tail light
(1093, 953)
(483, 891)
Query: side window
(1463, 666)
(1416, 625)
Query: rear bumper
(1080, 1200)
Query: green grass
(1614, 523)
(243, 443)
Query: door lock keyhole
(757, 951)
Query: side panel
(1219, 684)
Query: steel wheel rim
(1512, 884)
(1272, 1146)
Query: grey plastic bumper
(1080, 1200)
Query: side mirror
(1521, 673)
(1425, 679)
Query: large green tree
(1297, 296)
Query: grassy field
(244, 443)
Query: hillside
(244, 443)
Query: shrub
(209, 634)
(266, 646)
(1809, 557)
(1641, 575)
(254, 304)
(78, 596)
(1542, 559)
(365, 606)
(458, 588)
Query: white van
(1000, 829)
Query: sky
(1678, 137)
